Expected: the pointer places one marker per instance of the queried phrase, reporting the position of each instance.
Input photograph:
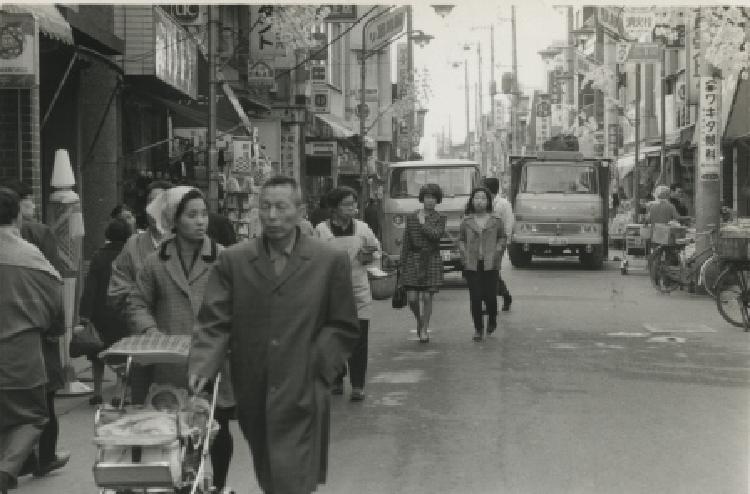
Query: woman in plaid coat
(421, 265)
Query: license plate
(558, 241)
(446, 255)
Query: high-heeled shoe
(424, 336)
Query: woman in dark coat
(109, 323)
(421, 264)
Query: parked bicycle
(732, 292)
(669, 270)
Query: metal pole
(663, 122)
(571, 69)
(362, 147)
(492, 72)
(514, 86)
(636, 187)
(466, 87)
(213, 172)
(480, 110)
(410, 66)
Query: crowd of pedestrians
(290, 312)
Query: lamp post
(465, 63)
(421, 39)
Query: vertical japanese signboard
(175, 55)
(402, 68)
(709, 137)
(639, 23)
(290, 149)
(267, 41)
(543, 121)
(19, 51)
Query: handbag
(85, 342)
(398, 301)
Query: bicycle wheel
(730, 301)
(659, 271)
(709, 274)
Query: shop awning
(51, 21)
(338, 127)
(196, 115)
(626, 163)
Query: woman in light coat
(481, 240)
(169, 292)
(358, 240)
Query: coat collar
(472, 223)
(258, 257)
(168, 254)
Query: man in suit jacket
(283, 306)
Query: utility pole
(213, 171)
(480, 127)
(466, 87)
(571, 68)
(636, 178)
(493, 90)
(514, 92)
(663, 105)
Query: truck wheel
(518, 258)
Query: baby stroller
(163, 445)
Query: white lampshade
(62, 173)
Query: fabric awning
(340, 129)
(738, 123)
(51, 21)
(626, 163)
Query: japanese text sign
(19, 51)
(637, 53)
(175, 55)
(709, 134)
(639, 25)
(267, 41)
(385, 27)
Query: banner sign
(638, 53)
(402, 68)
(709, 136)
(175, 55)
(19, 51)
(639, 23)
(290, 150)
(267, 42)
(385, 27)
(543, 114)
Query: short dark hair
(493, 184)
(470, 205)
(339, 194)
(158, 184)
(282, 181)
(20, 188)
(431, 189)
(117, 230)
(9, 205)
(117, 210)
(189, 196)
(674, 187)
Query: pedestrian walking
(169, 292)
(481, 240)
(504, 210)
(321, 213)
(109, 324)
(284, 303)
(360, 243)
(46, 458)
(31, 303)
(421, 265)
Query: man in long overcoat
(283, 305)
(31, 308)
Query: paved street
(594, 383)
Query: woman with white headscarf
(169, 292)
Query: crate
(667, 234)
(734, 248)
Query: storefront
(735, 190)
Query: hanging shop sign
(321, 100)
(543, 115)
(290, 149)
(709, 136)
(188, 14)
(320, 148)
(175, 55)
(386, 27)
(267, 40)
(402, 68)
(19, 50)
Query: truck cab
(455, 177)
(560, 202)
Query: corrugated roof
(51, 21)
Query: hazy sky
(537, 25)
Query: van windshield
(562, 179)
(406, 182)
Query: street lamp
(443, 10)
